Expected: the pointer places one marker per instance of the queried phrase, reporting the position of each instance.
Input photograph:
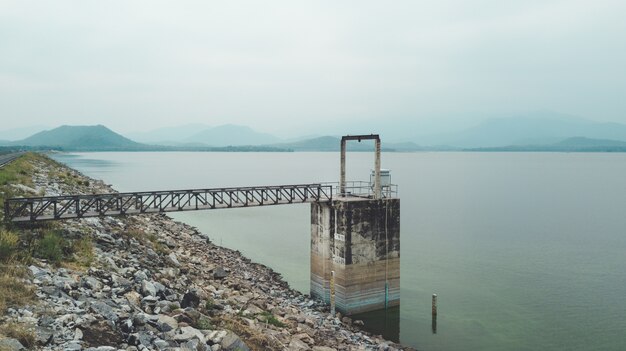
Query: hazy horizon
(293, 68)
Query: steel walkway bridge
(34, 209)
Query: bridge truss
(79, 206)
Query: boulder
(10, 344)
(232, 342)
(190, 299)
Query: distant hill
(168, 135)
(575, 144)
(331, 143)
(85, 138)
(539, 129)
(231, 135)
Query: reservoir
(525, 251)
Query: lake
(525, 251)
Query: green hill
(84, 138)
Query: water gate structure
(355, 226)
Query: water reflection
(382, 322)
(80, 161)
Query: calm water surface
(526, 251)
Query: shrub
(8, 245)
(50, 247)
(270, 319)
(203, 324)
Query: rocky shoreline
(155, 283)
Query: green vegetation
(271, 319)
(45, 241)
(203, 323)
(13, 290)
(50, 247)
(149, 239)
(8, 245)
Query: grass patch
(8, 245)
(83, 251)
(149, 239)
(25, 335)
(51, 247)
(17, 172)
(203, 324)
(271, 319)
(13, 289)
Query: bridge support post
(358, 239)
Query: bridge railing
(365, 189)
(78, 206)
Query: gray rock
(149, 301)
(91, 283)
(220, 273)
(127, 326)
(147, 288)
(140, 339)
(64, 283)
(78, 334)
(140, 276)
(37, 272)
(73, 346)
(190, 299)
(106, 239)
(196, 345)
(297, 344)
(119, 281)
(166, 323)
(104, 310)
(141, 319)
(173, 259)
(232, 342)
(188, 333)
(323, 348)
(161, 344)
(43, 335)
(11, 345)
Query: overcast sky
(303, 67)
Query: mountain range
(556, 133)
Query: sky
(308, 67)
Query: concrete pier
(359, 239)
